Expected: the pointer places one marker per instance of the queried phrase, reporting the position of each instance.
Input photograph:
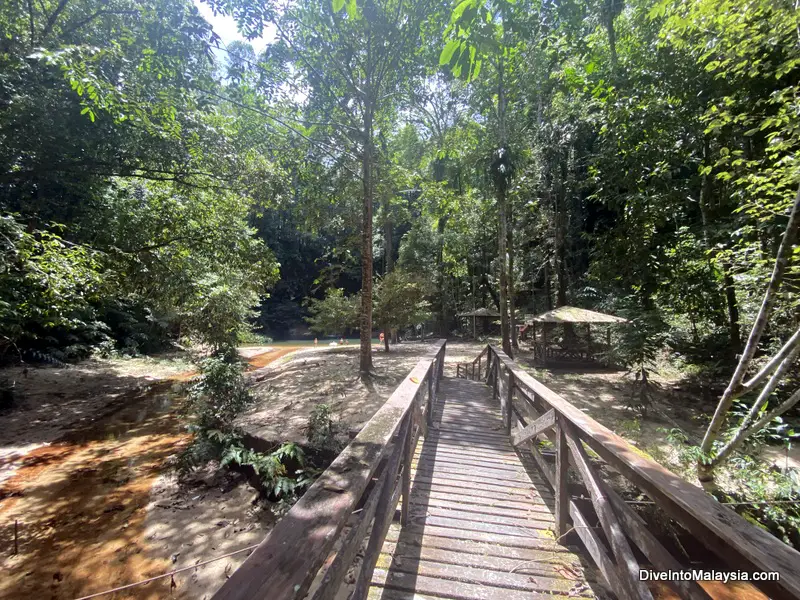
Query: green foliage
(219, 394)
(401, 299)
(283, 472)
(48, 286)
(323, 431)
(335, 314)
(776, 432)
(124, 207)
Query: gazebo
(482, 313)
(569, 347)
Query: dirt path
(79, 503)
(95, 509)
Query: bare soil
(288, 391)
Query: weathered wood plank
(542, 522)
(546, 564)
(470, 504)
(596, 550)
(661, 559)
(385, 511)
(455, 481)
(533, 496)
(480, 473)
(539, 426)
(561, 481)
(478, 576)
(469, 460)
(477, 548)
(342, 560)
(424, 587)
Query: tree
(401, 300)
(770, 375)
(335, 314)
(354, 62)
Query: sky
(225, 28)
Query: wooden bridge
(505, 497)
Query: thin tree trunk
(502, 233)
(365, 359)
(735, 388)
(389, 264)
(440, 276)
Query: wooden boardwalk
(480, 505)
(481, 518)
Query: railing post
(479, 366)
(408, 454)
(432, 386)
(509, 401)
(562, 466)
(440, 366)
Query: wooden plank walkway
(480, 522)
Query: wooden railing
(312, 547)
(531, 410)
(472, 370)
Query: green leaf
(448, 51)
(458, 11)
(352, 9)
(338, 5)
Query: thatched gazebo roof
(481, 312)
(572, 314)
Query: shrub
(322, 431)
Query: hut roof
(481, 312)
(572, 314)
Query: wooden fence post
(408, 455)
(431, 393)
(509, 401)
(562, 491)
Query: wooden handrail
(737, 542)
(298, 549)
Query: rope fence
(169, 574)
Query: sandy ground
(288, 391)
(86, 478)
(52, 401)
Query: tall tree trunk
(502, 237)
(511, 291)
(548, 286)
(733, 309)
(609, 11)
(365, 359)
(502, 230)
(388, 263)
(440, 276)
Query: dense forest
(381, 165)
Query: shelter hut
(485, 315)
(570, 346)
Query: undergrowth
(763, 494)
(215, 400)
(322, 431)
